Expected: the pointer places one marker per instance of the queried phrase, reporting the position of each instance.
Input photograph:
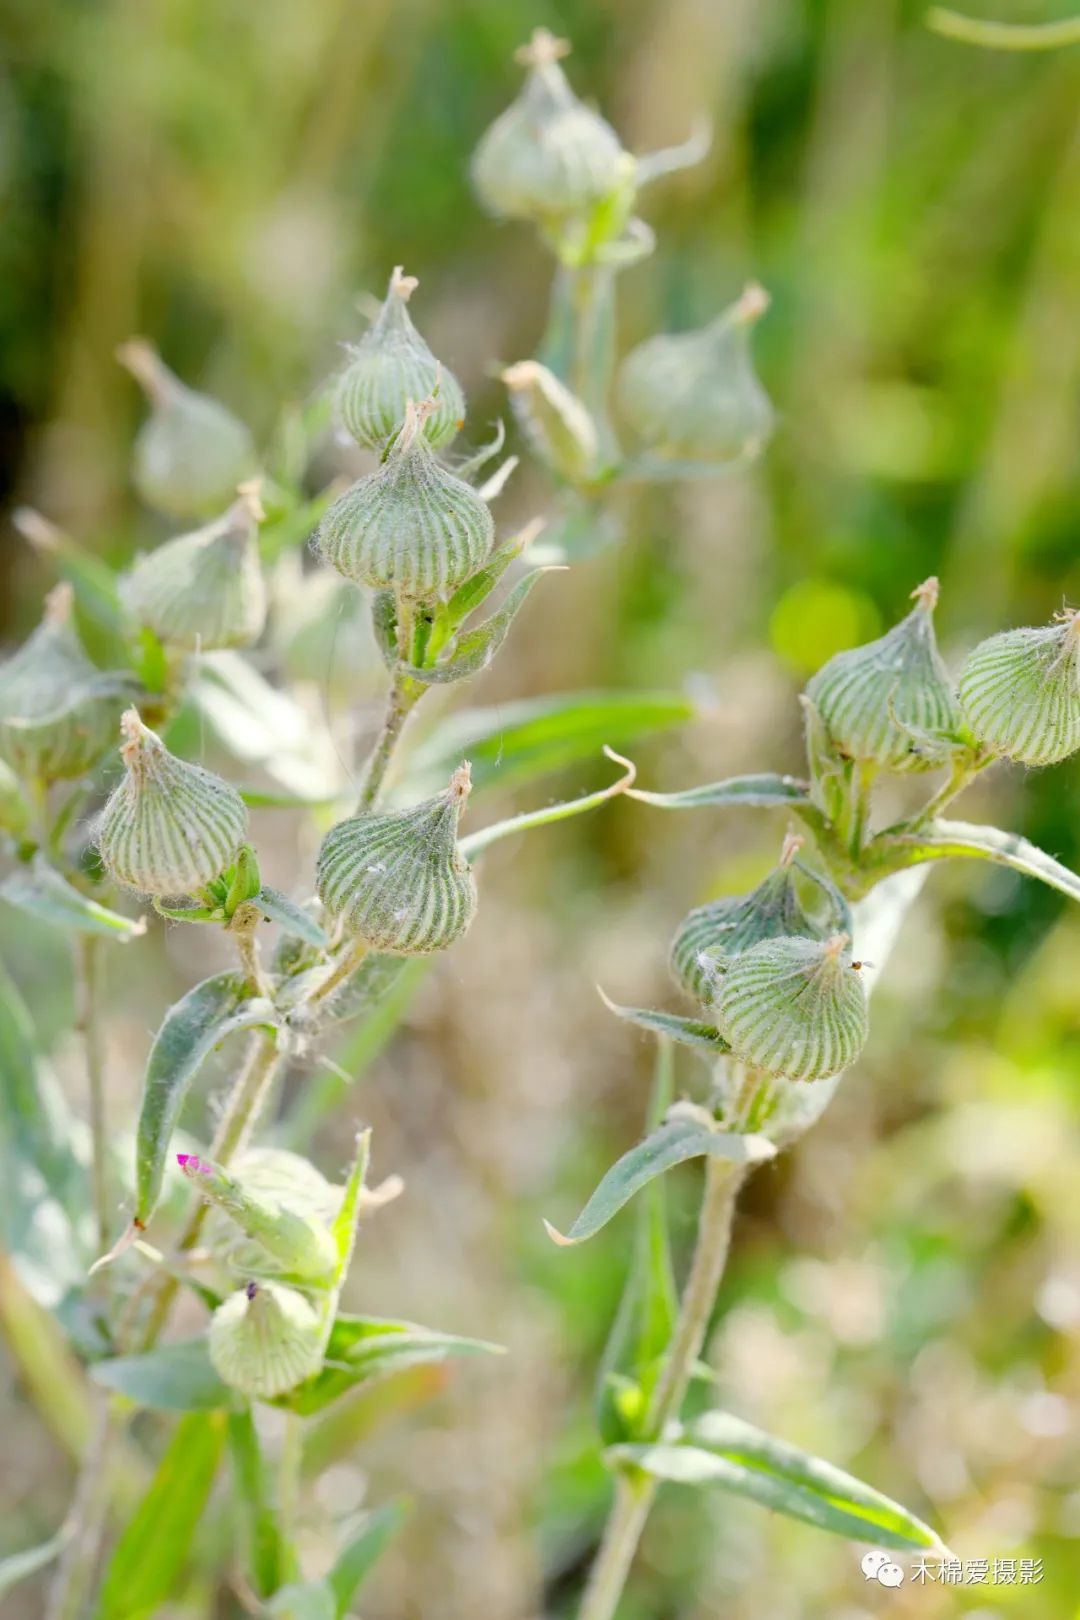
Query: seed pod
(191, 453)
(170, 827)
(58, 712)
(547, 155)
(695, 396)
(283, 1178)
(891, 702)
(560, 428)
(1020, 692)
(391, 365)
(794, 1007)
(412, 527)
(398, 880)
(205, 589)
(300, 1246)
(266, 1338)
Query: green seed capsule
(560, 428)
(695, 396)
(412, 527)
(390, 366)
(794, 1007)
(891, 702)
(58, 713)
(547, 155)
(299, 1245)
(398, 880)
(205, 590)
(191, 453)
(283, 1178)
(266, 1338)
(1020, 692)
(170, 827)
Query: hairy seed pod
(397, 880)
(58, 713)
(283, 1178)
(558, 425)
(191, 453)
(794, 1007)
(1020, 692)
(204, 590)
(391, 365)
(300, 1245)
(266, 1338)
(891, 702)
(170, 827)
(411, 527)
(547, 155)
(695, 396)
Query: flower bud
(398, 880)
(293, 1243)
(891, 702)
(547, 155)
(794, 1007)
(191, 453)
(1020, 692)
(390, 366)
(411, 527)
(560, 428)
(283, 1178)
(205, 590)
(266, 1338)
(695, 396)
(170, 827)
(58, 712)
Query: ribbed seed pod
(398, 880)
(560, 428)
(391, 365)
(284, 1178)
(411, 527)
(58, 713)
(695, 396)
(547, 155)
(191, 453)
(794, 1007)
(265, 1339)
(891, 702)
(170, 827)
(205, 589)
(1020, 692)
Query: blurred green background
(904, 1295)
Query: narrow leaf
(345, 1221)
(150, 1555)
(719, 1449)
(289, 916)
(19, 1566)
(476, 648)
(42, 892)
(754, 792)
(198, 1023)
(268, 1554)
(365, 1546)
(673, 1143)
(362, 1349)
(479, 586)
(693, 1032)
(173, 1378)
(944, 840)
(477, 841)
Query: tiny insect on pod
(561, 429)
(411, 527)
(390, 366)
(206, 589)
(1020, 692)
(695, 396)
(267, 1338)
(548, 155)
(891, 702)
(191, 453)
(398, 880)
(170, 827)
(794, 1007)
(58, 713)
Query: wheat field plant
(405, 1212)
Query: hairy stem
(88, 1000)
(400, 702)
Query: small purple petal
(182, 1159)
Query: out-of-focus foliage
(904, 1295)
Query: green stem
(88, 1002)
(960, 776)
(401, 700)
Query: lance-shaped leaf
(673, 1143)
(199, 1022)
(476, 648)
(765, 791)
(362, 1349)
(479, 586)
(172, 1378)
(474, 843)
(364, 1546)
(289, 916)
(693, 1032)
(945, 840)
(343, 1230)
(722, 1450)
(149, 1558)
(41, 891)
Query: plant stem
(348, 960)
(85, 1522)
(634, 1493)
(88, 997)
(399, 705)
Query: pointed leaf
(269, 1559)
(362, 1349)
(479, 586)
(755, 792)
(944, 840)
(719, 1449)
(475, 842)
(150, 1555)
(673, 1143)
(198, 1023)
(366, 1544)
(693, 1032)
(42, 892)
(172, 1378)
(344, 1227)
(289, 916)
(476, 648)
